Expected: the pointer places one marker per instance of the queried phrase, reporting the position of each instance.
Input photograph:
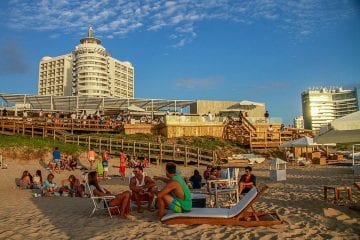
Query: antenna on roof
(90, 32)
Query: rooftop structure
(103, 104)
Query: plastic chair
(101, 203)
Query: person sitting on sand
(74, 186)
(143, 189)
(196, 180)
(247, 181)
(207, 172)
(37, 180)
(73, 163)
(145, 163)
(65, 162)
(26, 180)
(49, 187)
(122, 200)
(175, 195)
(215, 175)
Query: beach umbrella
(300, 142)
(342, 130)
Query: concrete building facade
(88, 71)
(252, 109)
(322, 105)
(299, 122)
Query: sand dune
(299, 201)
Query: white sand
(299, 202)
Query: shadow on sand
(71, 217)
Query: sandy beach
(298, 200)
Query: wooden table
(337, 190)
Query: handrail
(176, 152)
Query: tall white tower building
(322, 105)
(88, 71)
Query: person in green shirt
(175, 195)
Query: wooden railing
(17, 123)
(160, 152)
(246, 133)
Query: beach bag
(100, 168)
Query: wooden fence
(158, 151)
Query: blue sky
(258, 50)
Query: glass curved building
(88, 71)
(322, 105)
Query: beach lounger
(101, 203)
(242, 214)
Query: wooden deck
(257, 136)
(23, 126)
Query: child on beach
(48, 186)
(105, 163)
(37, 180)
(123, 162)
(145, 163)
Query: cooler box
(198, 200)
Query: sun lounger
(242, 214)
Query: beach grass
(38, 143)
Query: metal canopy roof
(73, 103)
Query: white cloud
(300, 18)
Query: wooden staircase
(257, 136)
(239, 130)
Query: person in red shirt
(247, 181)
(207, 172)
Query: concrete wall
(141, 128)
(185, 126)
(213, 130)
(201, 107)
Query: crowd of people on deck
(176, 195)
(83, 119)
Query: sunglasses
(135, 171)
(247, 171)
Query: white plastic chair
(101, 202)
(232, 189)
